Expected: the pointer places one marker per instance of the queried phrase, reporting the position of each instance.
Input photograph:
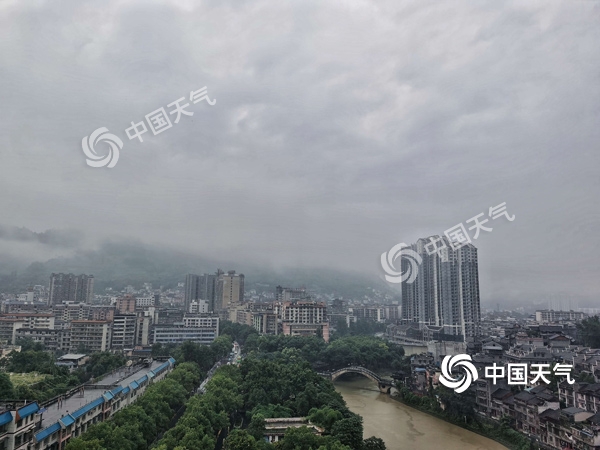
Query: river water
(402, 427)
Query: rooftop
(90, 393)
(72, 356)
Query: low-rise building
(49, 338)
(91, 335)
(123, 333)
(102, 405)
(275, 428)
(551, 316)
(179, 333)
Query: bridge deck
(361, 370)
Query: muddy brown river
(402, 427)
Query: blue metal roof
(116, 390)
(81, 411)
(141, 380)
(28, 410)
(5, 418)
(133, 385)
(67, 420)
(151, 374)
(162, 367)
(126, 390)
(107, 395)
(172, 360)
(47, 432)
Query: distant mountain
(120, 264)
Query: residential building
(123, 335)
(71, 288)
(199, 307)
(265, 322)
(54, 431)
(17, 425)
(286, 294)
(445, 292)
(201, 321)
(8, 330)
(33, 320)
(240, 314)
(276, 428)
(229, 290)
(102, 312)
(200, 287)
(179, 333)
(375, 313)
(49, 338)
(551, 316)
(305, 318)
(90, 335)
(144, 302)
(72, 311)
(143, 333)
(126, 304)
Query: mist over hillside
(118, 264)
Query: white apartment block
(551, 316)
(144, 302)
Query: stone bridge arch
(384, 385)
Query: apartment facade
(305, 318)
(178, 333)
(200, 287)
(92, 335)
(123, 334)
(551, 316)
(445, 292)
(67, 287)
(229, 290)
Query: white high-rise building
(446, 290)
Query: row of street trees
(367, 351)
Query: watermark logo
(158, 121)
(400, 251)
(88, 144)
(514, 373)
(458, 236)
(458, 384)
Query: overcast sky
(340, 129)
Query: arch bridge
(384, 384)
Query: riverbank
(485, 428)
(401, 426)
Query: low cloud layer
(340, 129)
(51, 238)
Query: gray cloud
(340, 129)
(52, 238)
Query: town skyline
(403, 121)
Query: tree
(240, 440)
(80, 444)
(349, 432)
(324, 417)
(7, 390)
(29, 344)
(32, 361)
(301, 438)
(586, 377)
(256, 428)
(237, 331)
(589, 331)
(374, 443)
(221, 346)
